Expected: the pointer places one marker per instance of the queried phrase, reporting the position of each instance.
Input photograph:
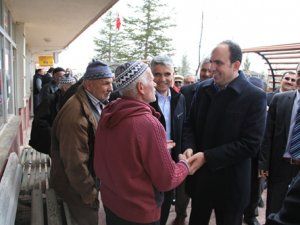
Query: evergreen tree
(185, 66)
(146, 29)
(247, 64)
(110, 44)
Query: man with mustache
(274, 160)
(72, 144)
(287, 83)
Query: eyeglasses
(288, 79)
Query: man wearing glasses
(189, 90)
(288, 83)
(278, 159)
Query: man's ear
(236, 65)
(140, 88)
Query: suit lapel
(289, 105)
(155, 105)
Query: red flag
(118, 22)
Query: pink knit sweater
(132, 161)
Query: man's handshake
(194, 161)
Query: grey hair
(131, 90)
(161, 60)
(286, 73)
(205, 61)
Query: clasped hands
(195, 161)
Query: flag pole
(199, 50)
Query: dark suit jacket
(178, 115)
(188, 92)
(270, 96)
(289, 214)
(227, 126)
(275, 138)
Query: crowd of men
(146, 139)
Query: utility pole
(199, 50)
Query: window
(2, 104)
(8, 78)
(7, 21)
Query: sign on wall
(46, 60)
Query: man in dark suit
(287, 83)
(289, 212)
(189, 90)
(171, 106)
(223, 130)
(280, 122)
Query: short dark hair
(50, 70)
(235, 51)
(58, 69)
(286, 73)
(38, 70)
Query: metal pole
(199, 50)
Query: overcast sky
(250, 23)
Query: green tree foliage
(110, 44)
(185, 66)
(142, 34)
(147, 28)
(247, 64)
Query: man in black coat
(37, 86)
(251, 211)
(223, 130)
(171, 106)
(40, 137)
(280, 121)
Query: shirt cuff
(185, 163)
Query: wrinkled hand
(263, 173)
(195, 162)
(170, 144)
(182, 157)
(188, 153)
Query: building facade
(29, 29)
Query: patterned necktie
(294, 149)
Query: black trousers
(255, 194)
(165, 208)
(201, 212)
(113, 219)
(277, 189)
(182, 201)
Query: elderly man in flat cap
(132, 159)
(73, 132)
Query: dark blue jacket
(188, 93)
(178, 114)
(227, 126)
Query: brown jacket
(72, 150)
